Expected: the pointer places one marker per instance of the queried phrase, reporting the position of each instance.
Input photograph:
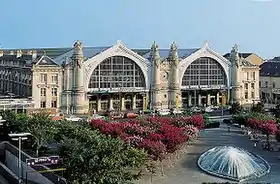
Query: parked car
(163, 112)
(196, 109)
(74, 119)
(176, 111)
(209, 109)
(95, 116)
(131, 115)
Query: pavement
(186, 171)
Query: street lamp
(19, 137)
(223, 92)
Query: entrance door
(128, 101)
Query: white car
(177, 111)
(74, 119)
(196, 109)
(208, 109)
(95, 116)
(163, 112)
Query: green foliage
(90, 157)
(42, 130)
(206, 118)
(242, 118)
(14, 122)
(258, 108)
(236, 108)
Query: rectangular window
(54, 91)
(253, 95)
(43, 91)
(43, 104)
(43, 78)
(260, 84)
(54, 104)
(55, 78)
(254, 75)
(246, 86)
(246, 95)
(273, 84)
(266, 84)
(253, 85)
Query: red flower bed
(268, 127)
(157, 135)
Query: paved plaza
(186, 170)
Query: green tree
(236, 108)
(14, 123)
(90, 157)
(42, 130)
(259, 108)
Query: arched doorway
(202, 81)
(93, 103)
(104, 102)
(128, 101)
(139, 101)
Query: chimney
(34, 54)
(19, 53)
(1, 53)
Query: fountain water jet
(233, 163)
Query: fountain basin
(233, 163)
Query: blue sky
(252, 24)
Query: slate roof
(243, 55)
(51, 52)
(244, 62)
(270, 68)
(182, 53)
(45, 60)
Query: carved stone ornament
(78, 46)
(235, 56)
(174, 54)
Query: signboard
(42, 160)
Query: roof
(245, 63)
(270, 68)
(51, 52)
(243, 55)
(45, 60)
(164, 53)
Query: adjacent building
(82, 79)
(270, 81)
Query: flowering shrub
(268, 128)
(254, 123)
(156, 149)
(156, 135)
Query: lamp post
(19, 137)
(223, 92)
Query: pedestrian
(228, 128)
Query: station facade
(84, 79)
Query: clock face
(164, 76)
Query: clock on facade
(164, 76)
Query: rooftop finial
(205, 44)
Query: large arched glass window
(204, 71)
(116, 72)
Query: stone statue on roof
(78, 45)
(173, 54)
(155, 57)
(234, 55)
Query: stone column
(199, 100)
(98, 104)
(122, 101)
(190, 100)
(218, 98)
(208, 99)
(110, 103)
(133, 101)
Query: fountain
(233, 163)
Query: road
(186, 171)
